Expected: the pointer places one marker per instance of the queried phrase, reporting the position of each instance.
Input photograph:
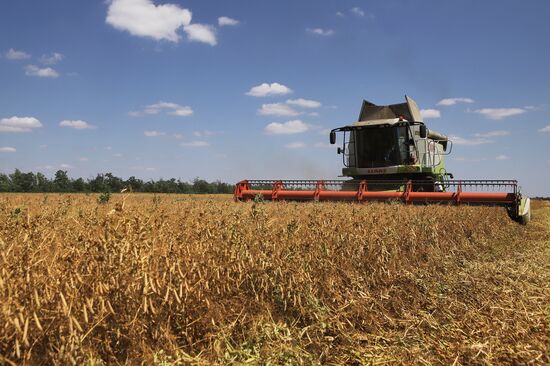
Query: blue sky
(247, 89)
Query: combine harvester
(390, 155)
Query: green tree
(184, 187)
(135, 184)
(23, 182)
(61, 181)
(79, 185)
(98, 184)
(43, 184)
(5, 183)
(114, 184)
(201, 186)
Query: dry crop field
(174, 280)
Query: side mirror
(332, 137)
(423, 131)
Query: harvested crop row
(186, 279)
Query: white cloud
(489, 134)
(223, 21)
(175, 109)
(277, 109)
(358, 11)
(47, 72)
(182, 111)
(83, 159)
(430, 113)
(76, 124)
(19, 124)
(305, 103)
(320, 31)
(339, 14)
(361, 13)
(7, 149)
(65, 166)
(196, 143)
(266, 89)
(204, 133)
(12, 54)
(118, 155)
(286, 128)
(145, 19)
(295, 145)
(499, 113)
(457, 140)
(545, 129)
(201, 33)
(453, 101)
(51, 59)
(502, 157)
(154, 133)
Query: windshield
(381, 146)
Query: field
(174, 280)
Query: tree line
(19, 181)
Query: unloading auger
(390, 154)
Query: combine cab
(389, 154)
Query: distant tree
(114, 184)
(220, 187)
(16, 179)
(61, 181)
(98, 184)
(23, 182)
(167, 186)
(79, 185)
(135, 184)
(201, 186)
(171, 186)
(43, 184)
(5, 183)
(184, 187)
